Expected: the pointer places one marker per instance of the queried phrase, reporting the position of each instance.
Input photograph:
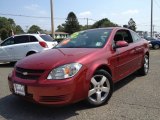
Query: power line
(20, 15)
(23, 15)
(26, 16)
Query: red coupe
(82, 67)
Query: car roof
(28, 35)
(109, 28)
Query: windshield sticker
(106, 33)
(65, 41)
(75, 35)
(98, 44)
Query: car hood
(55, 57)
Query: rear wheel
(156, 46)
(145, 68)
(101, 88)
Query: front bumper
(51, 94)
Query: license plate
(19, 89)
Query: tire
(101, 88)
(145, 68)
(12, 63)
(156, 46)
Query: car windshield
(86, 39)
(47, 38)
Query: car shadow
(14, 108)
(125, 81)
(7, 65)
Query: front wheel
(145, 68)
(101, 88)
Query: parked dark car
(82, 67)
(154, 42)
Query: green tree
(3, 33)
(132, 24)
(6, 27)
(18, 29)
(12, 23)
(125, 26)
(104, 23)
(60, 28)
(85, 27)
(34, 29)
(71, 24)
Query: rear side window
(33, 39)
(47, 38)
(21, 39)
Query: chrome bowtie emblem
(25, 73)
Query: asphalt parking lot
(135, 98)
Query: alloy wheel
(99, 89)
(146, 64)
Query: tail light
(43, 44)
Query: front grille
(53, 98)
(28, 74)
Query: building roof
(61, 33)
(58, 33)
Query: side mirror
(121, 43)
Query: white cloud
(130, 12)
(36, 9)
(32, 7)
(85, 14)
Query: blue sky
(118, 11)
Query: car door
(139, 49)
(21, 48)
(124, 56)
(7, 50)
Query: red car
(82, 67)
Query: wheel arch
(104, 67)
(92, 70)
(31, 52)
(147, 53)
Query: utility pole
(151, 18)
(87, 23)
(52, 19)
(153, 30)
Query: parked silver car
(17, 47)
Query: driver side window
(9, 41)
(123, 35)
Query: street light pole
(52, 19)
(151, 18)
(87, 23)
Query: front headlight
(65, 71)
